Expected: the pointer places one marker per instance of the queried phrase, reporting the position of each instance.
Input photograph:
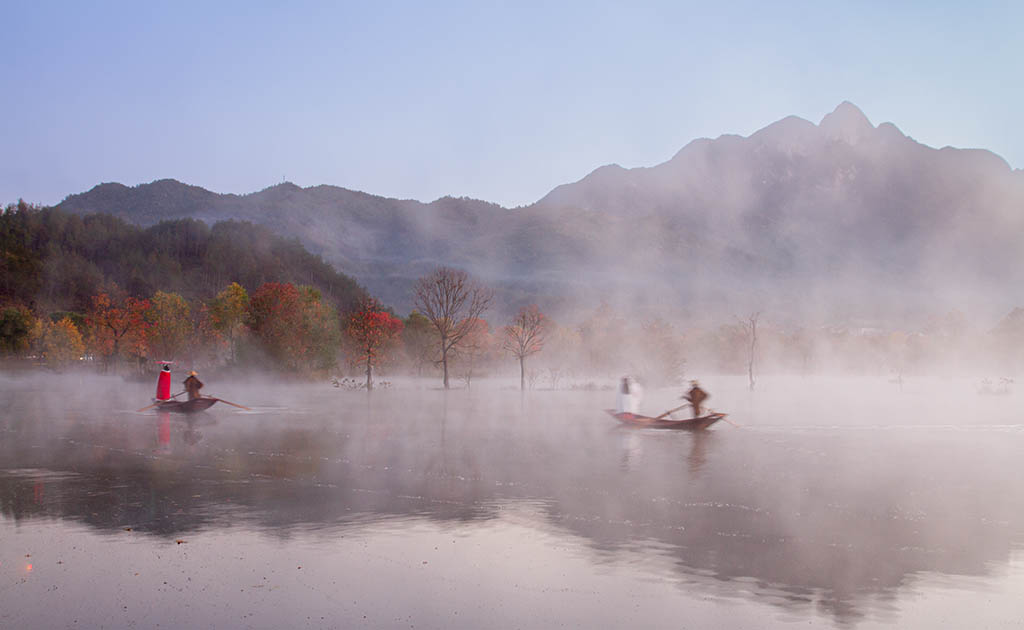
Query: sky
(500, 101)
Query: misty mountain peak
(847, 123)
(792, 133)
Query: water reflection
(834, 521)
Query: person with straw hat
(696, 396)
(193, 385)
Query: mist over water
(847, 502)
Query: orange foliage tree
(525, 336)
(62, 343)
(371, 331)
(112, 322)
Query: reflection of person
(696, 396)
(627, 398)
(193, 385)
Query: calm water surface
(835, 503)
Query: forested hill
(54, 260)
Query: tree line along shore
(94, 290)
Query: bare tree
(750, 329)
(525, 337)
(452, 302)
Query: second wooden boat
(690, 424)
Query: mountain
(839, 219)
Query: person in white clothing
(627, 398)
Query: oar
(228, 402)
(725, 417)
(672, 411)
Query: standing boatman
(696, 396)
(193, 385)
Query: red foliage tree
(371, 331)
(294, 326)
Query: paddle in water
(228, 402)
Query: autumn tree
(452, 302)
(170, 329)
(370, 331)
(525, 337)
(112, 319)
(228, 313)
(205, 344)
(294, 326)
(62, 343)
(274, 320)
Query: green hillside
(54, 260)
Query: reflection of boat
(690, 424)
(187, 406)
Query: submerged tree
(750, 330)
(370, 330)
(452, 302)
(525, 337)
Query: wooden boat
(690, 424)
(187, 406)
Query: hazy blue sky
(500, 101)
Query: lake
(830, 502)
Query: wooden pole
(672, 411)
(228, 402)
